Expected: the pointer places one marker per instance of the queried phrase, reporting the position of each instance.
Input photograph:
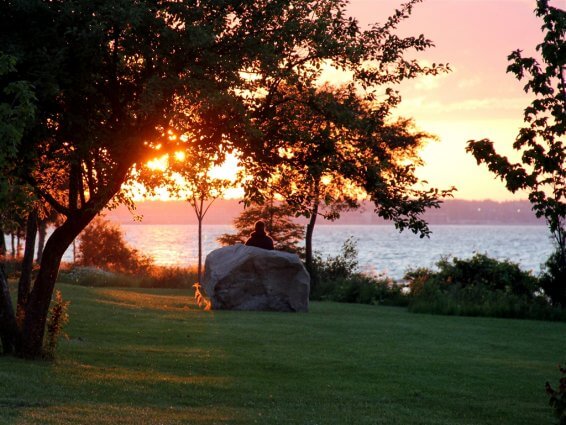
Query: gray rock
(243, 277)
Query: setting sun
(158, 164)
(228, 170)
(180, 156)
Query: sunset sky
(478, 99)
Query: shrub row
(480, 286)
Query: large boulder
(241, 277)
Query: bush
(362, 289)
(340, 281)
(102, 245)
(479, 286)
(341, 266)
(553, 279)
(558, 397)
(480, 270)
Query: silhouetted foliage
(330, 147)
(552, 279)
(102, 244)
(558, 397)
(17, 110)
(279, 224)
(542, 170)
(343, 265)
(341, 281)
(479, 286)
(479, 270)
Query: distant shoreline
(451, 212)
(326, 224)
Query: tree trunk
(13, 240)
(37, 307)
(8, 327)
(18, 245)
(308, 247)
(199, 269)
(3, 248)
(24, 284)
(42, 233)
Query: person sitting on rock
(259, 238)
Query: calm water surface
(382, 249)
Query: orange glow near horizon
(228, 170)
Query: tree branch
(47, 197)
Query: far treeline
(452, 211)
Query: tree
(111, 78)
(333, 148)
(278, 219)
(309, 178)
(102, 244)
(196, 172)
(17, 109)
(542, 169)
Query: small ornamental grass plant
(200, 297)
(56, 321)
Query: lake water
(382, 249)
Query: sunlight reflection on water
(381, 248)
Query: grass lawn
(152, 357)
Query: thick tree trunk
(24, 284)
(8, 327)
(37, 307)
(13, 240)
(42, 233)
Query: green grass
(151, 357)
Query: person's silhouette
(259, 238)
